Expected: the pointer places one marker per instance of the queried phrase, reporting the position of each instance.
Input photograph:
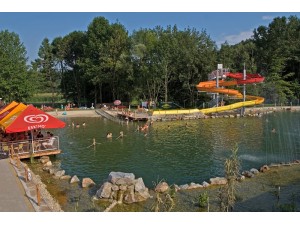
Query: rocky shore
(30, 182)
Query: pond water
(178, 151)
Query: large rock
(59, 173)
(139, 185)
(248, 174)
(254, 171)
(52, 170)
(129, 195)
(46, 168)
(218, 181)
(264, 168)
(48, 164)
(124, 181)
(87, 182)
(44, 159)
(162, 187)
(114, 176)
(65, 177)
(205, 184)
(142, 195)
(74, 179)
(104, 191)
(115, 187)
(193, 186)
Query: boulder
(65, 177)
(162, 187)
(142, 195)
(123, 187)
(129, 195)
(177, 188)
(115, 187)
(139, 185)
(218, 181)
(48, 164)
(247, 174)
(240, 178)
(183, 186)
(59, 173)
(124, 181)
(74, 179)
(44, 159)
(104, 191)
(205, 184)
(193, 186)
(87, 182)
(114, 176)
(254, 171)
(264, 168)
(46, 168)
(52, 171)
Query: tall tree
(46, 67)
(146, 79)
(278, 57)
(72, 52)
(15, 81)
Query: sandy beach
(74, 113)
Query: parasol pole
(32, 146)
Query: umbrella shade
(32, 118)
(117, 102)
(13, 112)
(5, 113)
(8, 106)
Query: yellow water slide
(210, 87)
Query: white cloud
(267, 17)
(236, 38)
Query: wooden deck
(40, 153)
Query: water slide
(210, 87)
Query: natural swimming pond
(179, 151)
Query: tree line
(105, 63)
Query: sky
(229, 24)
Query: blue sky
(33, 25)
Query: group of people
(37, 136)
(109, 135)
(78, 125)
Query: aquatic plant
(227, 193)
(164, 202)
(204, 200)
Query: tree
(46, 68)
(146, 78)
(278, 57)
(69, 54)
(15, 80)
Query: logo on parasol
(40, 118)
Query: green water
(173, 151)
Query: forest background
(105, 63)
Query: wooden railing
(12, 148)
